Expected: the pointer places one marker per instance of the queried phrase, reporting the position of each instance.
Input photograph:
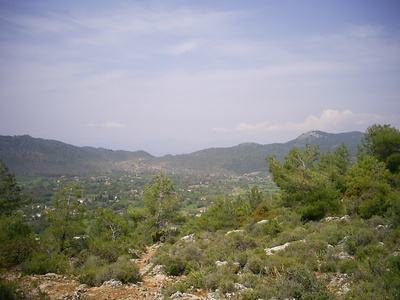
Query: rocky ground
(56, 286)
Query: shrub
(241, 242)
(227, 286)
(222, 278)
(329, 265)
(271, 228)
(332, 233)
(175, 266)
(304, 285)
(125, 270)
(391, 278)
(241, 258)
(10, 290)
(261, 212)
(256, 264)
(18, 250)
(305, 253)
(370, 251)
(107, 250)
(249, 280)
(197, 278)
(42, 263)
(348, 266)
(172, 288)
(360, 239)
(95, 271)
(191, 266)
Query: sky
(176, 76)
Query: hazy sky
(178, 76)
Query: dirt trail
(67, 287)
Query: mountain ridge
(26, 154)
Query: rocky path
(67, 287)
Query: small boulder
(112, 283)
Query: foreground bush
(10, 290)
(95, 271)
(42, 263)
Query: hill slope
(25, 154)
(250, 157)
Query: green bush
(271, 228)
(370, 251)
(313, 212)
(125, 270)
(17, 240)
(250, 280)
(392, 277)
(362, 238)
(18, 250)
(10, 290)
(257, 264)
(197, 278)
(348, 266)
(329, 265)
(191, 266)
(42, 263)
(175, 266)
(241, 258)
(302, 284)
(172, 288)
(107, 250)
(95, 271)
(222, 278)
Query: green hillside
(25, 154)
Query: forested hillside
(331, 231)
(25, 154)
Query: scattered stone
(381, 226)
(221, 263)
(337, 219)
(72, 296)
(271, 251)
(82, 288)
(234, 231)
(339, 284)
(212, 296)
(331, 219)
(345, 218)
(112, 283)
(52, 276)
(343, 240)
(262, 222)
(146, 269)
(184, 296)
(188, 238)
(344, 255)
(239, 286)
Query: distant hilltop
(26, 154)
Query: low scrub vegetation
(331, 232)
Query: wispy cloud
(182, 47)
(366, 31)
(219, 129)
(331, 120)
(113, 125)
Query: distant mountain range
(25, 154)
